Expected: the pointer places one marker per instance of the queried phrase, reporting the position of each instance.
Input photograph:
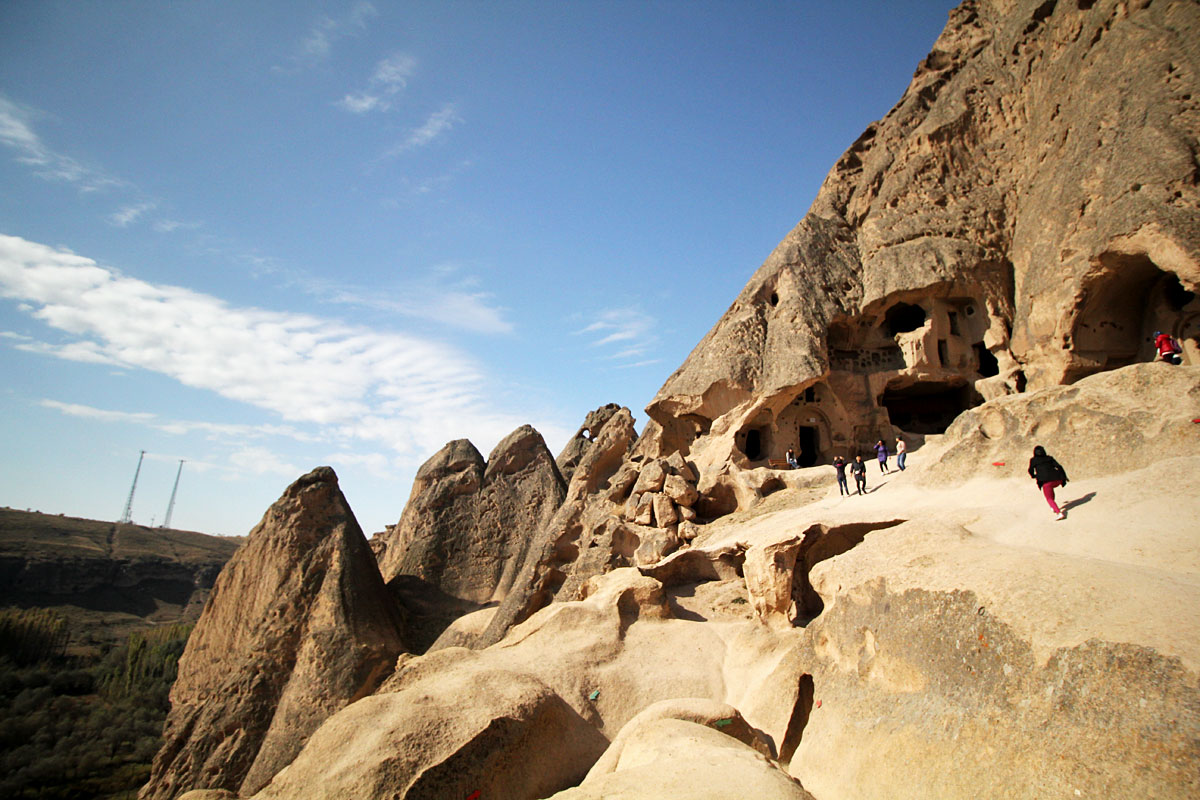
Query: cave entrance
(926, 407)
(1120, 308)
(807, 452)
(754, 444)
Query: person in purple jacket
(882, 452)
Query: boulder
(299, 624)
(667, 757)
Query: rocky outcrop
(547, 701)
(575, 449)
(299, 625)
(468, 524)
(1026, 215)
(1105, 424)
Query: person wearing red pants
(1049, 475)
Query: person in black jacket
(1049, 475)
(859, 470)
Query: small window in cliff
(774, 299)
(988, 365)
(902, 318)
(943, 353)
(953, 317)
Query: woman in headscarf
(1049, 475)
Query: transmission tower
(126, 516)
(171, 505)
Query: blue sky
(262, 237)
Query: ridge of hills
(107, 579)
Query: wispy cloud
(17, 133)
(630, 329)
(223, 431)
(436, 125)
(327, 31)
(128, 215)
(389, 79)
(408, 392)
(445, 299)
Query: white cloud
(629, 328)
(129, 214)
(261, 461)
(410, 393)
(16, 132)
(390, 77)
(438, 123)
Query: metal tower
(126, 515)
(171, 505)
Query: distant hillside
(108, 579)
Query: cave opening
(754, 444)
(926, 408)
(988, 365)
(904, 317)
(1120, 307)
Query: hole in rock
(774, 298)
(754, 442)
(988, 365)
(1119, 310)
(903, 317)
(926, 407)
(771, 486)
(799, 721)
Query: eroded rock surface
(469, 524)
(1026, 215)
(299, 624)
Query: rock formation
(1026, 215)
(468, 525)
(298, 625)
(979, 271)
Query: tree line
(75, 728)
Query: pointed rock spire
(298, 625)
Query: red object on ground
(997, 463)
(818, 704)
(1196, 420)
(474, 795)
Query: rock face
(468, 524)
(298, 625)
(1026, 215)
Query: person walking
(839, 464)
(901, 453)
(1049, 475)
(882, 451)
(859, 470)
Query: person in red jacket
(1168, 349)
(1049, 475)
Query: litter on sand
(721, 723)
(594, 695)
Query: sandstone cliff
(1027, 214)
(298, 625)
